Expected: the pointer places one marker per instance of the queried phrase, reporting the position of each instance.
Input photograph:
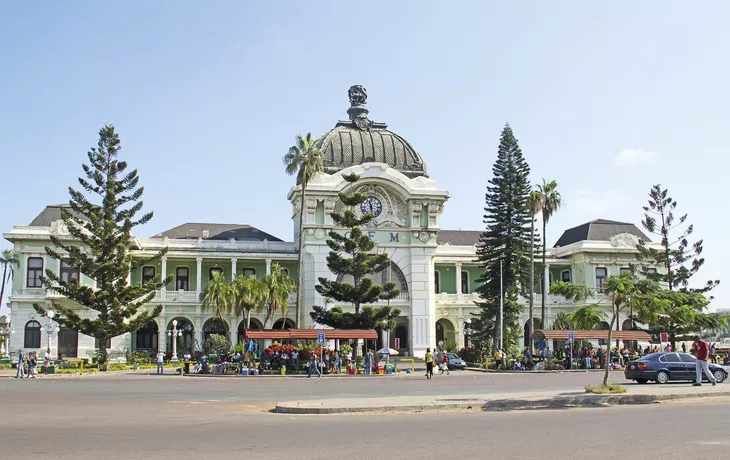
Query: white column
(198, 327)
(162, 333)
(268, 266)
(458, 282)
(546, 281)
(423, 301)
(164, 273)
(234, 261)
(198, 277)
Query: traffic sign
(320, 337)
(664, 337)
(570, 337)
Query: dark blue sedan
(666, 366)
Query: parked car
(455, 362)
(666, 366)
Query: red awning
(310, 334)
(554, 334)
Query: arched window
(282, 324)
(390, 274)
(187, 341)
(32, 335)
(401, 333)
(147, 337)
(214, 326)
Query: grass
(610, 388)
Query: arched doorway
(68, 342)
(629, 325)
(283, 324)
(255, 324)
(146, 338)
(401, 333)
(538, 325)
(444, 332)
(186, 343)
(214, 326)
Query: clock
(371, 205)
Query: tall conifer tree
(103, 233)
(506, 239)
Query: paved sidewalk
(637, 394)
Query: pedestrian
(21, 372)
(284, 359)
(309, 365)
(701, 363)
(713, 355)
(445, 364)
(46, 362)
(160, 362)
(32, 363)
(684, 348)
(497, 359)
(429, 363)
(295, 359)
(369, 362)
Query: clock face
(371, 205)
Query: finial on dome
(358, 113)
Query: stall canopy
(554, 334)
(310, 334)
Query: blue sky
(606, 98)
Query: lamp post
(467, 332)
(51, 327)
(174, 333)
(5, 344)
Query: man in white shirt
(160, 362)
(295, 359)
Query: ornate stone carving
(395, 210)
(319, 233)
(624, 240)
(357, 94)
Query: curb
(559, 402)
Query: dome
(359, 140)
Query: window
(148, 274)
(35, 271)
(249, 272)
(565, 276)
(687, 358)
(182, 279)
(437, 282)
(68, 273)
(670, 358)
(32, 334)
(285, 270)
(465, 282)
(650, 272)
(215, 270)
(624, 271)
(601, 274)
(97, 343)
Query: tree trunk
(529, 341)
(545, 282)
(101, 354)
(2, 289)
(300, 277)
(608, 346)
(248, 319)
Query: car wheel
(720, 376)
(662, 377)
(642, 381)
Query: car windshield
(687, 358)
(452, 356)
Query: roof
(359, 140)
(216, 232)
(50, 213)
(599, 230)
(554, 334)
(459, 237)
(311, 334)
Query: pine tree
(102, 240)
(362, 261)
(676, 252)
(506, 239)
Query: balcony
(176, 296)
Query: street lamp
(5, 344)
(174, 333)
(51, 327)
(467, 332)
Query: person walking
(21, 369)
(684, 348)
(701, 363)
(32, 363)
(429, 363)
(160, 362)
(445, 363)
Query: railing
(33, 291)
(176, 296)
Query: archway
(401, 333)
(281, 323)
(68, 342)
(629, 325)
(186, 343)
(528, 332)
(214, 326)
(444, 332)
(255, 324)
(146, 338)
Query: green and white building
(434, 269)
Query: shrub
(217, 344)
(472, 355)
(608, 388)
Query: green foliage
(9, 260)
(573, 292)
(104, 233)
(345, 349)
(563, 322)
(587, 318)
(217, 344)
(679, 260)
(549, 200)
(6, 366)
(278, 286)
(305, 160)
(217, 296)
(451, 346)
(507, 238)
(140, 357)
(608, 388)
(351, 255)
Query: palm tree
(217, 295)
(550, 201)
(279, 285)
(533, 206)
(563, 321)
(8, 260)
(587, 318)
(305, 160)
(248, 293)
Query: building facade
(434, 269)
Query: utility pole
(501, 311)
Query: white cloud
(633, 157)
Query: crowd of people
(28, 364)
